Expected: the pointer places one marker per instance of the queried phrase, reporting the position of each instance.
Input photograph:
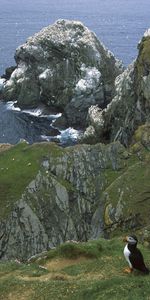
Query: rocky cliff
(64, 66)
(51, 194)
(131, 105)
(60, 199)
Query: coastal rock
(64, 66)
(8, 72)
(2, 81)
(59, 203)
(131, 105)
(116, 122)
(127, 198)
(75, 193)
(22, 234)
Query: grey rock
(64, 66)
(131, 105)
(60, 203)
(22, 234)
(2, 81)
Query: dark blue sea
(119, 24)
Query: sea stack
(64, 66)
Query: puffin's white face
(131, 240)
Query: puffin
(134, 256)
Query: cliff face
(60, 201)
(51, 194)
(127, 198)
(131, 105)
(64, 66)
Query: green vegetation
(83, 271)
(129, 194)
(18, 167)
(80, 271)
(73, 250)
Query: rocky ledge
(66, 67)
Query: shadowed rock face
(65, 66)
(131, 105)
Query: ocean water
(119, 24)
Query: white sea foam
(56, 116)
(68, 134)
(37, 112)
(46, 138)
(11, 106)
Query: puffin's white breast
(126, 255)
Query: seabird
(134, 256)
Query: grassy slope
(130, 191)
(94, 271)
(18, 167)
(133, 189)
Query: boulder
(64, 66)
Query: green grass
(78, 277)
(71, 250)
(18, 167)
(134, 186)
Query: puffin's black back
(137, 261)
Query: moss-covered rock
(127, 197)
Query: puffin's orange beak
(125, 239)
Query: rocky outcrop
(127, 198)
(131, 105)
(77, 193)
(22, 234)
(60, 202)
(117, 121)
(64, 66)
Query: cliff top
(94, 270)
